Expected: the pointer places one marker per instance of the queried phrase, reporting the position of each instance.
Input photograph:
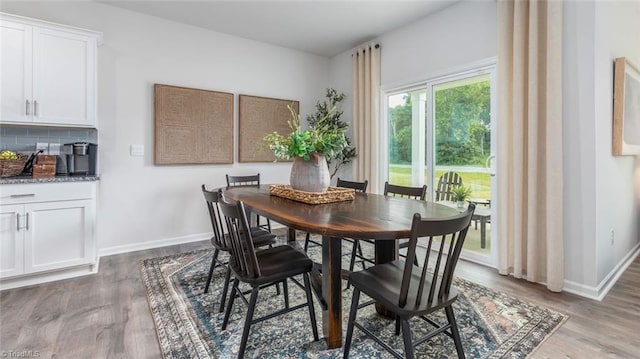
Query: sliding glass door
(444, 129)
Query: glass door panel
(462, 139)
(407, 138)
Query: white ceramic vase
(312, 175)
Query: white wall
(600, 191)
(140, 204)
(442, 42)
(435, 45)
(617, 30)
(578, 144)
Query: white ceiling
(325, 28)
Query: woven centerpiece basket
(10, 168)
(333, 194)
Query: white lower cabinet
(49, 237)
(11, 241)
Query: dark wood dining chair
(248, 181)
(417, 193)
(411, 291)
(219, 240)
(446, 182)
(262, 269)
(358, 186)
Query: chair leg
(397, 325)
(454, 331)
(247, 322)
(227, 313)
(285, 290)
(225, 290)
(361, 255)
(277, 284)
(306, 242)
(352, 261)
(213, 266)
(406, 335)
(352, 318)
(312, 311)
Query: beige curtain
(366, 109)
(529, 163)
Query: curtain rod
(377, 46)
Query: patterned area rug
(492, 324)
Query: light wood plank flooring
(107, 316)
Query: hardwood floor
(107, 316)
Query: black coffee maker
(80, 158)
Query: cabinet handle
(27, 221)
(22, 195)
(17, 222)
(28, 108)
(35, 108)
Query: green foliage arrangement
(321, 138)
(328, 117)
(460, 193)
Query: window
(445, 125)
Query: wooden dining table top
(368, 216)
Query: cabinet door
(11, 240)
(63, 78)
(15, 72)
(59, 234)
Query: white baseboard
(600, 291)
(108, 251)
(44, 277)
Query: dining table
(384, 219)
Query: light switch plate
(136, 150)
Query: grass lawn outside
(478, 181)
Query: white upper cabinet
(48, 73)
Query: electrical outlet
(613, 236)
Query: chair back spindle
(242, 248)
(419, 193)
(212, 198)
(358, 186)
(243, 181)
(447, 238)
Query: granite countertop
(29, 179)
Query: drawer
(46, 192)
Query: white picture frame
(626, 108)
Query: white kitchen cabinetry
(48, 232)
(11, 241)
(48, 73)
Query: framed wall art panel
(626, 108)
(257, 117)
(192, 126)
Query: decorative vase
(310, 175)
(460, 204)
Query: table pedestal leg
(291, 235)
(386, 251)
(332, 290)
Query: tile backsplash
(24, 139)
